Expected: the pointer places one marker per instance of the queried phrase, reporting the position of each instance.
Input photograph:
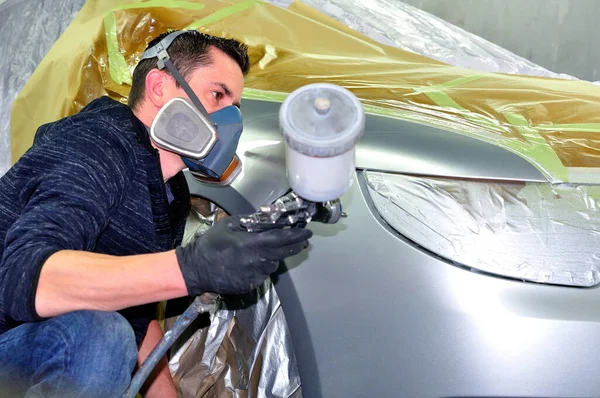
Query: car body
(370, 310)
(373, 313)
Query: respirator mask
(206, 142)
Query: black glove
(227, 259)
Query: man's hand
(227, 259)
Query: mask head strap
(159, 50)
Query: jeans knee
(102, 352)
(106, 331)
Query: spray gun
(293, 211)
(321, 124)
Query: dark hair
(187, 52)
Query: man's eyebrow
(227, 92)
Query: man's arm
(77, 280)
(68, 187)
(159, 383)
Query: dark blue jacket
(90, 182)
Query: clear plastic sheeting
(553, 232)
(395, 23)
(27, 31)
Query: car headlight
(536, 232)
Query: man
(89, 218)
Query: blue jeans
(79, 354)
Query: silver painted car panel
(372, 314)
(399, 146)
(388, 319)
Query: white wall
(560, 35)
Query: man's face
(217, 85)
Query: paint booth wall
(560, 35)
(28, 28)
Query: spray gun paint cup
(321, 124)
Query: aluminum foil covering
(28, 28)
(531, 231)
(243, 353)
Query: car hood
(388, 144)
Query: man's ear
(157, 87)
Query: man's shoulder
(104, 115)
(102, 120)
(103, 102)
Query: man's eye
(218, 95)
